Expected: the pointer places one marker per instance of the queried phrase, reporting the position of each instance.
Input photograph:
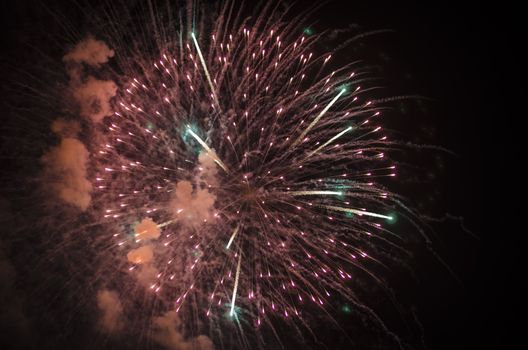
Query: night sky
(437, 53)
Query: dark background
(444, 52)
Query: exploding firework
(235, 175)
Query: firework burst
(237, 175)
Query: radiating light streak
(232, 237)
(330, 141)
(309, 193)
(358, 212)
(319, 116)
(236, 284)
(205, 68)
(211, 153)
(163, 224)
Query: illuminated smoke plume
(208, 169)
(147, 275)
(66, 164)
(66, 128)
(94, 97)
(111, 320)
(168, 334)
(147, 229)
(65, 168)
(90, 51)
(195, 205)
(141, 255)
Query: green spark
(392, 218)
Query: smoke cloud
(66, 128)
(208, 169)
(191, 205)
(111, 320)
(93, 97)
(65, 168)
(147, 275)
(167, 332)
(141, 255)
(147, 229)
(90, 51)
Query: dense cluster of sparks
(241, 174)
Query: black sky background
(439, 51)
